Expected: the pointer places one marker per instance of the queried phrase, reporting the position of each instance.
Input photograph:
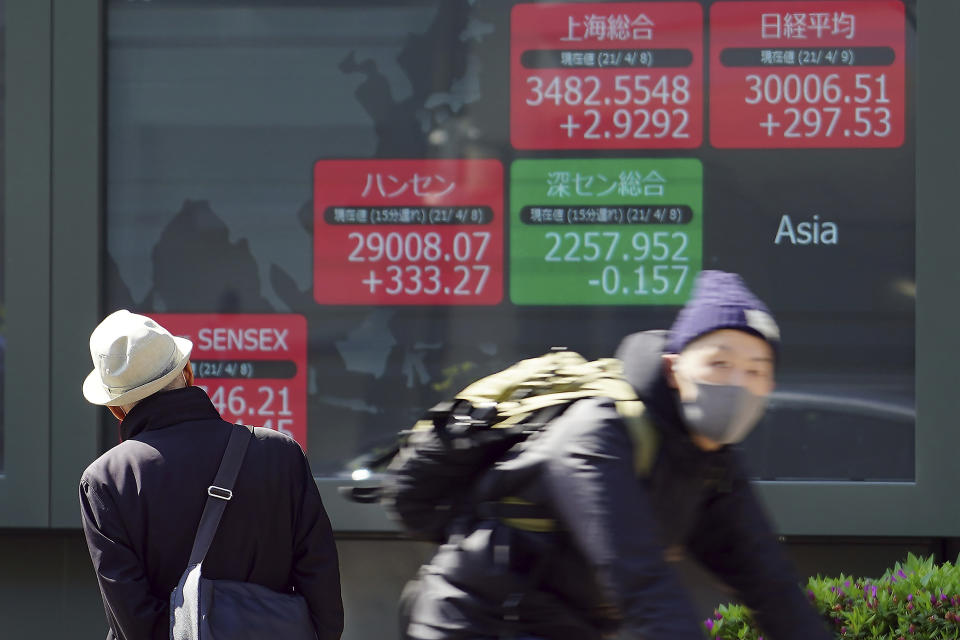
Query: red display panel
(606, 75)
(807, 74)
(408, 232)
(253, 366)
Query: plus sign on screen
(606, 75)
(807, 74)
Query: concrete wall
(47, 587)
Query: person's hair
(182, 380)
(174, 384)
(120, 411)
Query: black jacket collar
(167, 408)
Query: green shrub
(916, 600)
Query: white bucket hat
(133, 357)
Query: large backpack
(432, 471)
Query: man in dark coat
(141, 501)
(605, 569)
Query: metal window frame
(25, 481)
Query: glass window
(356, 208)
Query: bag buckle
(219, 492)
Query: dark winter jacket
(141, 502)
(605, 570)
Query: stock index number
(608, 246)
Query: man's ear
(667, 361)
(188, 374)
(118, 413)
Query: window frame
(72, 195)
(25, 480)
(76, 188)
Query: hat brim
(96, 393)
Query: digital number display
(606, 76)
(408, 232)
(605, 231)
(807, 74)
(441, 188)
(253, 366)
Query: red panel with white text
(807, 74)
(253, 366)
(606, 75)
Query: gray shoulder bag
(203, 609)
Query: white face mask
(724, 413)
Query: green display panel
(593, 231)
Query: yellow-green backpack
(429, 478)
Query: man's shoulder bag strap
(220, 492)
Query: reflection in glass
(221, 116)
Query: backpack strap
(646, 438)
(220, 492)
(519, 514)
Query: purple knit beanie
(721, 300)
